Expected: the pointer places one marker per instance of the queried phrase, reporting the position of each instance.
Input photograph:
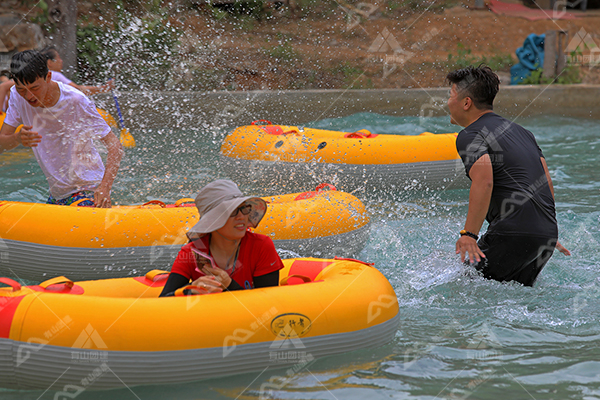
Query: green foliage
(139, 50)
(570, 75)
(283, 53)
(464, 58)
(242, 9)
(42, 17)
(347, 70)
(536, 78)
(89, 50)
(420, 5)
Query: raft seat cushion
(307, 268)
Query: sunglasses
(244, 209)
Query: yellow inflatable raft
(68, 336)
(41, 240)
(271, 154)
(2, 116)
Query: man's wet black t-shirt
(522, 202)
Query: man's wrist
(465, 232)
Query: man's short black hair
(28, 65)
(480, 83)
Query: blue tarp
(531, 57)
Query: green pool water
(460, 336)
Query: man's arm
(4, 91)
(480, 194)
(10, 138)
(113, 160)
(559, 246)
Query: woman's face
(236, 226)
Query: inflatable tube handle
(362, 134)
(180, 291)
(151, 202)
(322, 186)
(54, 281)
(353, 260)
(277, 130)
(285, 280)
(152, 275)
(257, 122)
(16, 286)
(180, 202)
(310, 195)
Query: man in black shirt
(510, 184)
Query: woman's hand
(206, 285)
(218, 274)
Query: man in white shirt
(60, 124)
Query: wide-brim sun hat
(216, 201)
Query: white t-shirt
(66, 153)
(59, 77)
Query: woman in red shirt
(222, 254)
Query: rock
(17, 36)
